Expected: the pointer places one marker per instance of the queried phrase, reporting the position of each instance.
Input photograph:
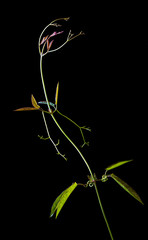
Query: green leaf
(61, 199)
(118, 164)
(56, 95)
(127, 188)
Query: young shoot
(46, 46)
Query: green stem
(102, 209)
(73, 144)
(80, 128)
(43, 84)
(77, 149)
(89, 169)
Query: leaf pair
(61, 199)
(123, 184)
(34, 104)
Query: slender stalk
(102, 209)
(43, 84)
(54, 50)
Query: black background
(103, 85)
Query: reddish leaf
(44, 39)
(49, 44)
(55, 33)
(47, 37)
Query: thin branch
(53, 23)
(80, 128)
(49, 137)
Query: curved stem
(50, 24)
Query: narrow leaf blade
(25, 109)
(44, 39)
(49, 44)
(64, 197)
(54, 206)
(34, 102)
(55, 33)
(61, 199)
(56, 95)
(126, 187)
(118, 164)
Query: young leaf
(126, 187)
(55, 33)
(25, 109)
(48, 37)
(34, 102)
(118, 164)
(56, 95)
(44, 39)
(49, 44)
(61, 199)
